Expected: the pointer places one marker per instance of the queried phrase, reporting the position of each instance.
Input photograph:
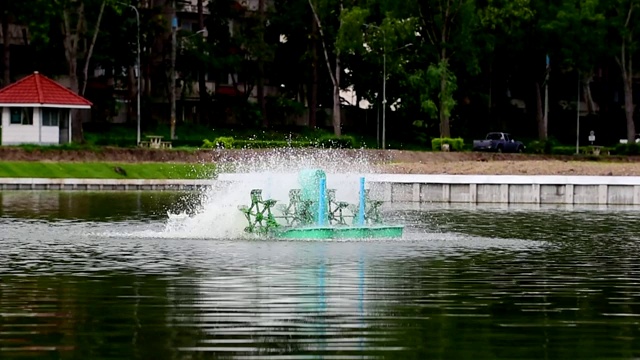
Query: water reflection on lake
(94, 275)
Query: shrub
(536, 147)
(224, 142)
(333, 142)
(543, 147)
(627, 149)
(563, 150)
(195, 143)
(207, 144)
(456, 144)
(265, 144)
(115, 141)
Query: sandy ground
(389, 161)
(510, 164)
(535, 167)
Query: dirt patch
(390, 161)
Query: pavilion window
(52, 117)
(21, 116)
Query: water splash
(273, 171)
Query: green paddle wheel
(313, 212)
(259, 214)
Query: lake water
(111, 276)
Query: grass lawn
(104, 170)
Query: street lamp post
(137, 70)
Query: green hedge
(344, 142)
(118, 142)
(266, 144)
(584, 150)
(543, 147)
(222, 142)
(455, 144)
(627, 149)
(186, 143)
(566, 150)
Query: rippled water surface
(101, 275)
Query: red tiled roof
(39, 89)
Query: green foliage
(428, 85)
(421, 131)
(208, 144)
(542, 147)
(350, 36)
(583, 150)
(508, 38)
(223, 142)
(282, 107)
(563, 150)
(627, 149)
(343, 142)
(578, 25)
(70, 146)
(536, 147)
(455, 144)
(267, 144)
(329, 141)
(506, 15)
(186, 143)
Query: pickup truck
(498, 142)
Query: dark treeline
(430, 68)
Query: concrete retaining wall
(474, 189)
(101, 184)
(507, 189)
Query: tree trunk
(628, 105)
(586, 80)
(202, 85)
(539, 113)
(337, 119)
(70, 41)
(335, 78)
(626, 68)
(313, 94)
(85, 70)
(445, 128)
(6, 50)
(260, 90)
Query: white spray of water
(273, 171)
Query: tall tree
(443, 23)
(516, 50)
(579, 25)
(16, 12)
(383, 45)
(625, 20)
(74, 31)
